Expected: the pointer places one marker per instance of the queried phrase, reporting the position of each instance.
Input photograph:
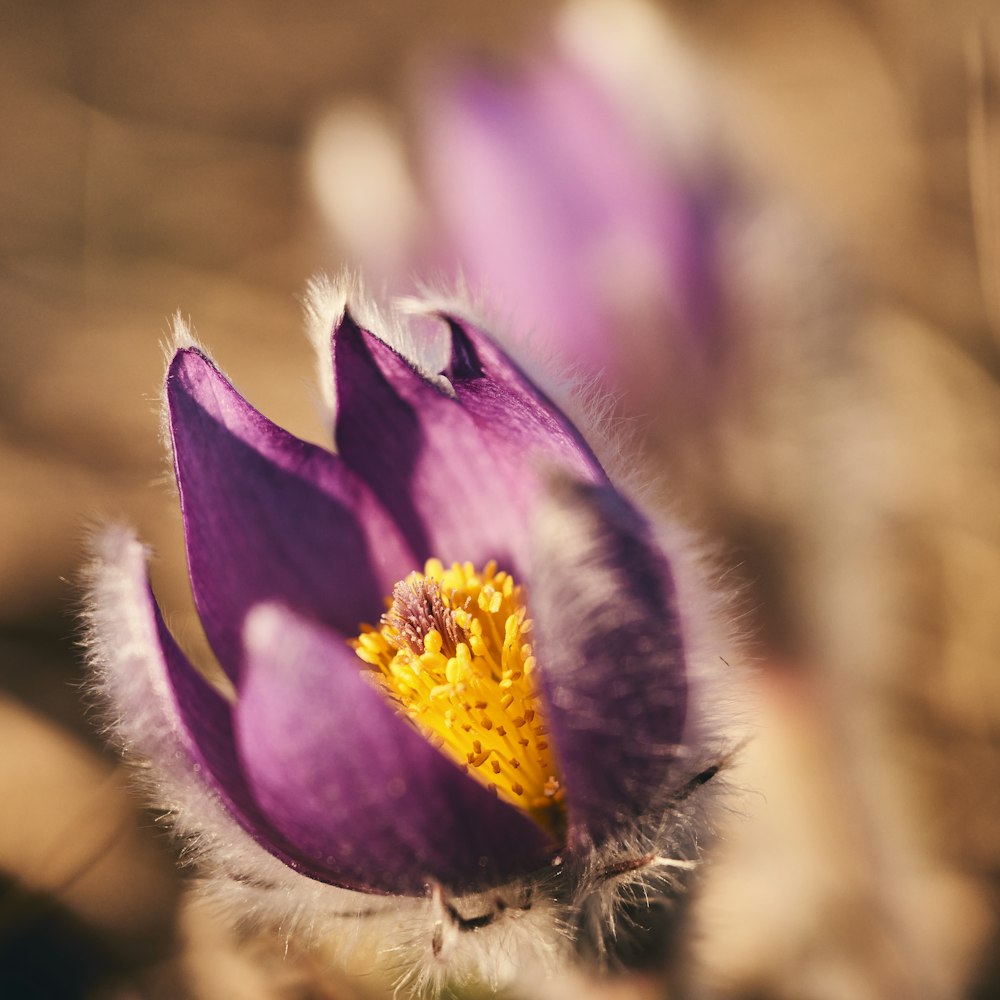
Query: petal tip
(190, 372)
(190, 361)
(182, 343)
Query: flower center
(453, 654)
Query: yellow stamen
(453, 654)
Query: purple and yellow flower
(462, 673)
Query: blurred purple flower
(546, 190)
(550, 201)
(292, 549)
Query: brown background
(152, 160)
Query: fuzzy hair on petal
(423, 345)
(181, 337)
(130, 686)
(654, 855)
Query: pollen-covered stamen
(453, 653)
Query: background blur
(164, 157)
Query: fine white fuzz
(326, 301)
(141, 716)
(181, 337)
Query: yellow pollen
(453, 654)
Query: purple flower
(549, 199)
(579, 189)
(462, 675)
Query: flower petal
(267, 515)
(524, 241)
(553, 203)
(166, 712)
(353, 785)
(423, 456)
(520, 425)
(612, 657)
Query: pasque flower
(584, 196)
(552, 203)
(464, 676)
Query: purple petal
(554, 205)
(353, 785)
(267, 515)
(169, 713)
(510, 206)
(205, 718)
(423, 456)
(612, 657)
(518, 423)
